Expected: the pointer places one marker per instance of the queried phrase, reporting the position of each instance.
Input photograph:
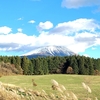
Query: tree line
(54, 65)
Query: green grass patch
(71, 82)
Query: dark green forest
(49, 65)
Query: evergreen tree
(37, 68)
(66, 65)
(98, 64)
(90, 64)
(13, 60)
(74, 64)
(50, 65)
(18, 64)
(5, 59)
(45, 67)
(30, 68)
(81, 65)
(24, 65)
(86, 66)
(33, 64)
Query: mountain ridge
(50, 51)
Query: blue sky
(27, 24)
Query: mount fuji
(49, 51)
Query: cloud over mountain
(77, 35)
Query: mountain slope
(50, 51)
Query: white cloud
(86, 37)
(19, 30)
(20, 18)
(31, 21)
(75, 26)
(5, 30)
(98, 40)
(79, 3)
(77, 35)
(45, 25)
(54, 39)
(80, 33)
(18, 41)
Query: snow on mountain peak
(51, 51)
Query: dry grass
(34, 84)
(59, 92)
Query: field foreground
(51, 87)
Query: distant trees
(54, 65)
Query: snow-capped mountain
(49, 51)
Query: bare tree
(69, 70)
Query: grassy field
(72, 83)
